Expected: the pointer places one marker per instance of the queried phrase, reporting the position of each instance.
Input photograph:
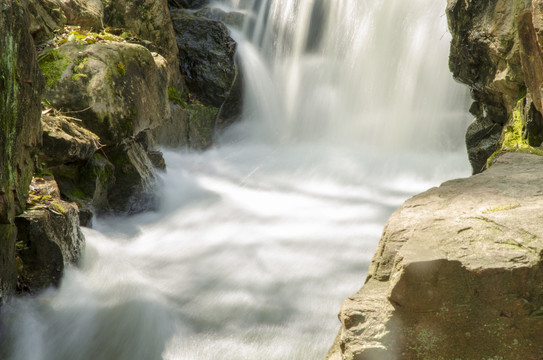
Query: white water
(259, 240)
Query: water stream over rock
(349, 110)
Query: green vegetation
(78, 68)
(84, 37)
(120, 69)
(53, 63)
(512, 139)
(175, 96)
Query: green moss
(77, 193)
(120, 69)
(511, 139)
(201, 125)
(53, 63)
(175, 96)
(59, 208)
(76, 77)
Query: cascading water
(349, 109)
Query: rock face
(21, 85)
(496, 50)
(457, 274)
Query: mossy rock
(201, 126)
(100, 86)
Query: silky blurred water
(349, 110)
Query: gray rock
(457, 273)
(482, 138)
(206, 57)
(135, 179)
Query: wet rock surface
(457, 274)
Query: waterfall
(349, 110)
(370, 72)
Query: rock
(457, 273)
(21, 85)
(531, 57)
(157, 159)
(173, 132)
(48, 238)
(88, 14)
(135, 179)
(65, 141)
(496, 50)
(206, 57)
(232, 107)
(46, 16)
(482, 138)
(117, 89)
(91, 188)
(201, 126)
(150, 20)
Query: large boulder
(457, 273)
(21, 85)
(48, 238)
(150, 20)
(206, 57)
(118, 89)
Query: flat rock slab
(457, 274)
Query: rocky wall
(496, 50)
(21, 84)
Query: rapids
(349, 110)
